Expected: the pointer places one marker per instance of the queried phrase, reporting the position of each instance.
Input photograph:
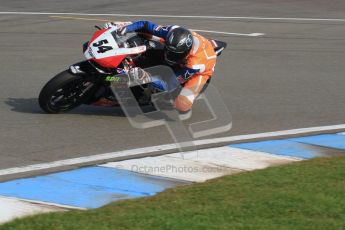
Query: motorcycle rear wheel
(64, 92)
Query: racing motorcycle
(109, 57)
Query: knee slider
(183, 104)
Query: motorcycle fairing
(105, 51)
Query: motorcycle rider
(191, 56)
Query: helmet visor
(173, 57)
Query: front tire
(64, 92)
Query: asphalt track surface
(293, 77)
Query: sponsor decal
(158, 28)
(75, 69)
(181, 42)
(141, 48)
(188, 74)
(91, 53)
(189, 41)
(113, 79)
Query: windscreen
(128, 40)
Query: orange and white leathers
(202, 57)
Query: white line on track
(155, 149)
(178, 16)
(205, 31)
(228, 33)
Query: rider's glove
(139, 75)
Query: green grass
(305, 195)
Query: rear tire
(64, 92)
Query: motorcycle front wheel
(64, 92)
